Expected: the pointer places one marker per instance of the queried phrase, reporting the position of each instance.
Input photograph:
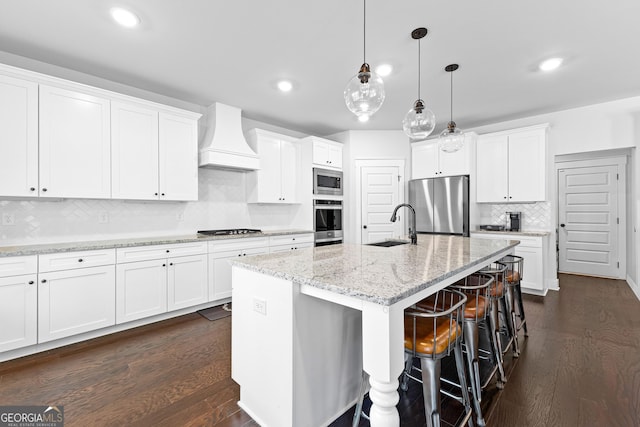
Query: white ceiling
(205, 51)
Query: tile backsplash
(221, 204)
(535, 216)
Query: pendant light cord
(419, 61)
(451, 95)
(364, 32)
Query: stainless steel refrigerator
(441, 204)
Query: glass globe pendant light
(452, 138)
(364, 93)
(419, 122)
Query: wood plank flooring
(580, 366)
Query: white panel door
(75, 144)
(380, 194)
(141, 290)
(187, 281)
(588, 218)
(18, 312)
(134, 152)
(178, 157)
(71, 302)
(491, 169)
(18, 137)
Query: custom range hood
(224, 145)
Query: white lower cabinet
(156, 283)
(220, 253)
(18, 311)
(141, 290)
(71, 302)
(290, 242)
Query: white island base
(297, 359)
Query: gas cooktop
(229, 231)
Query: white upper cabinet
(18, 137)
(178, 157)
(134, 152)
(511, 166)
(326, 153)
(75, 144)
(276, 180)
(428, 161)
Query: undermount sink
(388, 243)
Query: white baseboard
(634, 287)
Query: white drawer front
(17, 265)
(80, 259)
(145, 253)
(528, 241)
(291, 239)
(292, 247)
(238, 244)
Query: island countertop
(382, 275)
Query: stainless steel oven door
(327, 182)
(327, 221)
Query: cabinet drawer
(238, 244)
(144, 253)
(17, 265)
(70, 260)
(527, 241)
(291, 239)
(292, 247)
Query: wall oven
(327, 222)
(327, 181)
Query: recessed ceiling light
(383, 70)
(125, 17)
(550, 64)
(285, 86)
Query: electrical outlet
(260, 306)
(8, 219)
(103, 217)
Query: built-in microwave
(327, 222)
(327, 181)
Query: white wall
(606, 126)
(367, 145)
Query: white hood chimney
(224, 145)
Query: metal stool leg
(431, 390)
(494, 333)
(471, 342)
(408, 364)
(523, 321)
(363, 390)
(466, 401)
(510, 318)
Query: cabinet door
(141, 290)
(220, 270)
(527, 166)
(457, 163)
(134, 152)
(335, 155)
(18, 312)
(320, 153)
(75, 144)
(178, 158)
(268, 178)
(532, 268)
(424, 161)
(18, 137)
(187, 281)
(71, 302)
(289, 171)
(491, 169)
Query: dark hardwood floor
(580, 366)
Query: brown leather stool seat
(433, 337)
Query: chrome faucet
(412, 228)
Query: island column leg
(383, 360)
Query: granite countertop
(378, 274)
(517, 233)
(22, 250)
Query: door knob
(364, 226)
(562, 225)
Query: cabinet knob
(31, 282)
(44, 189)
(43, 281)
(167, 250)
(170, 263)
(293, 238)
(164, 265)
(504, 197)
(510, 197)
(155, 194)
(364, 226)
(80, 260)
(32, 189)
(162, 194)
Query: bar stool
(430, 333)
(515, 265)
(476, 288)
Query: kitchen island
(305, 324)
